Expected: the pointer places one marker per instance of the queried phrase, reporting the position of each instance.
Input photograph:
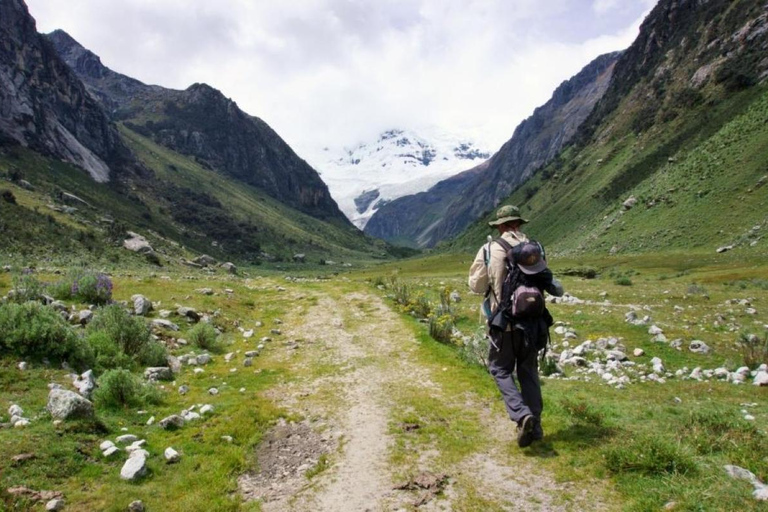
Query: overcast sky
(338, 72)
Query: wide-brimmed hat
(507, 213)
(530, 257)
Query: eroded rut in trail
(337, 458)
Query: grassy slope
(703, 198)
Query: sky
(339, 72)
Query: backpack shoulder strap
(507, 247)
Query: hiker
(515, 339)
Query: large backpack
(518, 299)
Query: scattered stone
(161, 323)
(455, 297)
(654, 330)
(638, 352)
(203, 359)
(698, 347)
(137, 445)
(110, 451)
(213, 391)
(183, 389)
(22, 457)
(724, 248)
(252, 353)
(136, 506)
(248, 334)
(158, 373)
(15, 410)
(696, 374)
(739, 473)
(172, 422)
(198, 371)
(135, 467)
(187, 312)
(55, 504)
(204, 260)
(126, 439)
(206, 409)
(151, 421)
(761, 379)
(205, 291)
(22, 366)
(171, 455)
(229, 267)
(141, 305)
(137, 243)
(229, 356)
(64, 405)
(629, 203)
(227, 439)
(247, 362)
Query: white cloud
(332, 72)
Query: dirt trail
(369, 355)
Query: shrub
(441, 328)
(623, 281)
(548, 366)
(34, 330)
(401, 291)
(92, 287)
(61, 290)
(648, 455)
(121, 340)
(204, 336)
(754, 349)
(26, 287)
(475, 350)
(8, 196)
(120, 388)
(419, 305)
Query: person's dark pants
(510, 354)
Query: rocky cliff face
(44, 106)
(446, 209)
(201, 122)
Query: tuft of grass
(583, 412)
(651, 455)
(623, 281)
(204, 336)
(754, 349)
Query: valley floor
(351, 405)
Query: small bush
(8, 196)
(623, 281)
(37, 331)
(648, 455)
(441, 328)
(61, 290)
(204, 336)
(401, 291)
(754, 349)
(548, 366)
(419, 305)
(120, 388)
(121, 340)
(475, 350)
(695, 289)
(26, 287)
(93, 288)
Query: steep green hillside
(681, 137)
(696, 186)
(183, 210)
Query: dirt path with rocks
(351, 358)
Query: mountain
(201, 122)
(673, 157)
(399, 162)
(424, 219)
(195, 175)
(45, 107)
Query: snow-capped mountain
(398, 163)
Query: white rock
(206, 409)
(15, 410)
(105, 445)
(64, 404)
(204, 359)
(127, 438)
(638, 352)
(111, 451)
(135, 467)
(191, 416)
(761, 379)
(171, 455)
(135, 446)
(696, 374)
(85, 384)
(198, 371)
(698, 347)
(22, 366)
(183, 389)
(654, 330)
(55, 504)
(141, 305)
(213, 391)
(151, 420)
(136, 506)
(248, 333)
(228, 439)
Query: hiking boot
(525, 431)
(538, 432)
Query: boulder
(141, 305)
(64, 405)
(85, 384)
(172, 422)
(190, 313)
(698, 347)
(229, 267)
(135, 467)
(137, 243)
(84, 317)
(157, 373)
(127, 438)
(204, 260)
(15, 410)
(761, 379)
(136, 506)
(629, 203)
(55, 504)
